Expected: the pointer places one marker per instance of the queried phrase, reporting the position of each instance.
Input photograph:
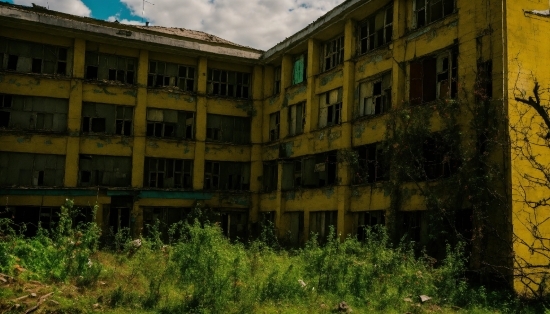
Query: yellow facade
(294, 111)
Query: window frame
(216, 133)
(374, 164)
(301, 123)
(296, 77)
(333, 110)
(126, 76)
(162, 168)
(427, 14)
(277, 80)
(380, 102)
(333, 53)
(420, 78)
(159, 129)
(371, 41)
(38, 58)
(125, 122)
(153, 77)
(234, 85)
(274, 126)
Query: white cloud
(76, 7)
(123, 21)
(256, 23)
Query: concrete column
(200, 125)
(74, 114)
(286, 82)
(312, 105)
(140, 121)
(256, 164)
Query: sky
(259, 24)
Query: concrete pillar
(256, 165)
(312, 105)
(140, 121)
(200, 126)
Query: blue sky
(256, 23)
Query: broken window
(375, 96)
(226, 175)
(168, 173)
(376, 30)
(484, 83)
(372, 165)
(33, 113)
(270, 176)
(331, 108)
(299, 73)
(274, 125)
(171, 74)
(440, 160)
(277, 79)
(234, 223)
(428, 11)
(411, 225)
(320, 223)
(170, 123)
(26, 169)
(28, 57)
(295, 232)
(311, 171)
(296, 119)
(105, 67)
(99, 170)
(107, 119)
(367, 220)
(333, 53)
(228, 129)
(166, 217)
(228, 83)
(28, 218)
(434, 78)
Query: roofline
(314, 27)
(110, 29)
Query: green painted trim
(176, 195)
(48, 192)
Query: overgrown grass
(203, 272)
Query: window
(375, 96)
(297, 119)
(295, 232)
(440, 161)
(234, 223)
(96, 170)
(373, 165)
(28, 57)
(310, 172)
(277, 79)
(274, 125)
(33, 113)
(331, 108)
(434, 78)
(166, 217)
(170, 123)
(228, 129)
(104, 67)
(333, 53)
(369, 219)
(26, 169)
(428, 11)
(228, 83)
(411, 225)
(171, 74)
(376, 30)
(168, 173)
(320, 223)
(299, 73)
(107, 119)
(270, 176)
(484, 83)
(225, 175)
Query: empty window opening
(234, 224)
(105, 67)
(33, 113)
(428, 11)
(321, 222)
(228, 129)
(270, 176)
(164, 218)
(277, 79)
(107, 119)
(330, 112)
(375, 96)
(274, 126)
(295, 232)
(29, 218)
(376, 30)
(440, 160)
(163, 74)
(296, 119)
(411, 226)
(333, 53)
(369, 219)
(170, 123)
(372, 164)
(299, 73)
(228, 83)
(311, 171)
(25, 169)
(434, 78)
(28, 57)
(168, 173)
(98, 170)
(225, 175)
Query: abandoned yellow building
(148, 122)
